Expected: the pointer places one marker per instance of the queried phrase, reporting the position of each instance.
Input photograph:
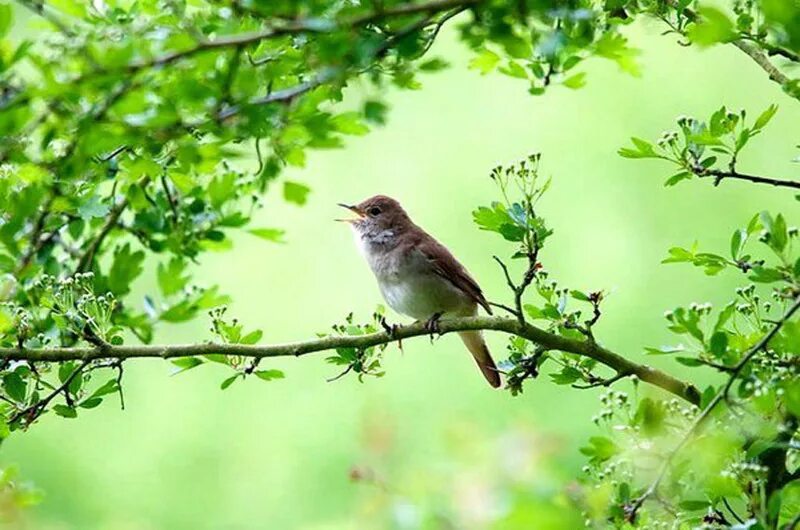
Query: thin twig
(34, 410)
(87, 258)
(504, 308)
(603, 382)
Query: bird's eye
(374, 211)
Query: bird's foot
(432, 325)
(391, 330)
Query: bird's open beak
(353, 209)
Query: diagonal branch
(751, 50)
(511, 326)
(762, 60)
(700, 421)
(34, 410)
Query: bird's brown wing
(447, 266)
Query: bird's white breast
(408, 281)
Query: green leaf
(765, 117)
(765, 275)
(688, 361)
(90, 403)
(665, 350)
(677, 177)
(712, 27)
(575, 81)
(600, 449)
(229, 381)
(127, 266)
(679, 255)
(433, 65)
(269, 234)
(221, 189)
(693, 506)
(724, 316)
(252, 337)
(186, 363)
(513, 69)
(644, 149)
(485, 61)
(171, 277)
(92, 208)
(737, 242)
(578, 295)
(15, 386)
(109, 387)
(491, 218)
(650, 416)
(295, 192)
(65, 411)
(778, 236)
(269, 375)
(375, 111)
(6, 19)
(566, 376)
(349, 123)
(718, 344)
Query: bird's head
(378, 215)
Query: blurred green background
(431, 436)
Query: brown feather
(447, 266)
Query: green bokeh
(185, 455)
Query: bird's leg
(432, 325)
(391, 330)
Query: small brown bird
(416, 274)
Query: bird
(418, 276)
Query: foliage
(750, 463)
(123, 125)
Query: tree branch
(291, 27)
(511, 326)
(719, 175)
(748, 48)
(762, 60)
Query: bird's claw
(391, 330)
(432, 325)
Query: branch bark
(720, 175)
(511, 326)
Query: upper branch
(512, 326)
(291, 27)
(751, 50)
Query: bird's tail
(477, 347)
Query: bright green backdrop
(186, 455)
